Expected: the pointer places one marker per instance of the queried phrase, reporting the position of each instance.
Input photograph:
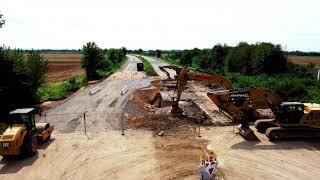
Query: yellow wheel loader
(22, 134)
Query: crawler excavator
(292, 119)
(215, 80)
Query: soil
(62, 70)
(305, 60)
(63, 66)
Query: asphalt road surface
(156, 63)
(101, 111)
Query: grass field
(305, 60)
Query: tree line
(245, 58)
(261, 64)
(98, 62)
(300, 53)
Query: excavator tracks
(277, 133)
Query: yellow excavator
(292, 119)
(23, 134)
(184, 76)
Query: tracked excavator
(215, 80)
(292, 119)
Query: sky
(159, 24)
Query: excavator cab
(290, 112)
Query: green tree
(123, 51)
(238, 58)
(268, 58)
(157, 53)
(20, 77)
(2, 21)
(219, 54)
(36, 69)
(311, 65)
(92, 59)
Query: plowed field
(63, 66)
(305, 60)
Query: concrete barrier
(94, 90)
(124, 90)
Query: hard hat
(202, 157)
(211, 154)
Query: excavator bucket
(246, 133)
(176, 111)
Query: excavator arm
(214, 79)
(184, 76)
(237, 102)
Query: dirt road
(241, 159)
(103, 109)
(109, 155)
(141, 155)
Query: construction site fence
(90, 121)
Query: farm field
(63, 66)
(305, 60)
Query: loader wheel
(29, 147)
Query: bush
(99, 63)
(289, 88)
(238, 58)
(267, 58)
(60, 90)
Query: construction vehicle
(164, 69)
(140, 67)
(215, 80)
(240, 103)
(292, 119)
(23, 134)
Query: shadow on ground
(13, 164)
(288, 144)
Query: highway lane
(103, 109)
(156, 63)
